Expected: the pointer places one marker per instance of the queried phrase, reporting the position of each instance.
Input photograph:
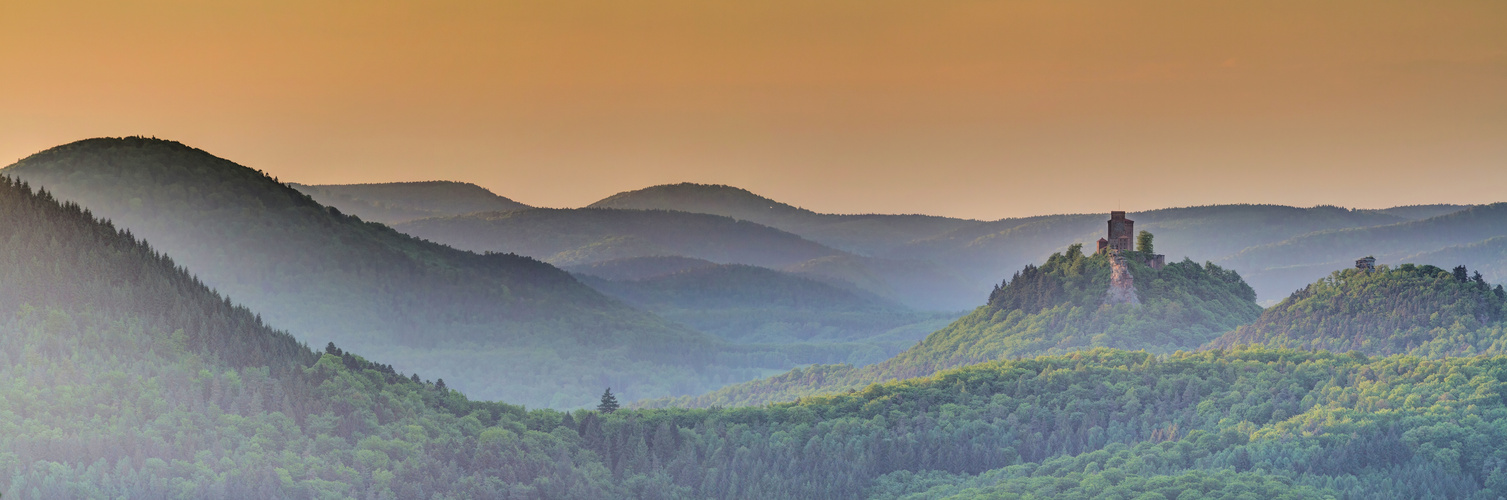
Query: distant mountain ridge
(1291, 263)
(394, 202)
(584, 236)
(865, 234)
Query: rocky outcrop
(1121, 283)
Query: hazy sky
(983, 109)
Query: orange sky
(978, 108)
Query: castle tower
(1121, 233)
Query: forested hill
(471, 319)
(1420, 310)
(126, 378)
(754, 305)
(1054, 308)
(395, 202)
(1291, 263)
(123, 376)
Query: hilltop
(1291, 263)
(394, 202)
(1058, 307)
(1213, 233)
(1419, 310)
(469, 318)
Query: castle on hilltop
(1122, 238)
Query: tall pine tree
(609, 402)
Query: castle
(1122, 239)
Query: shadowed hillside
(1212, 233)
(584, 236)
(749, 304)
(865, 234)
(394, 202)
(471, 319)
(126, 377)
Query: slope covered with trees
(1291, 263)
(126, 377)
(1057, 307)
(394, 202)
(1420, 310)
(494, 325)
(1214, 233)
(754, 305)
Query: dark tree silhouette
(609, 402)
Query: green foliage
(609, 402)
(471, 319)
(125, 377)
(1420, 310)
(1284, 265)
(1143, 243)
(753, 305)
(1055, 308)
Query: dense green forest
(494, 325)
(754, 305)
(1054, 308)
(1409, 309)
(130, 378)
(395, 202)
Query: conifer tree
(609, 402)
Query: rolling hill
(1291, 263)
(577, 237)
(471, 319)
(1408, 309)
(968, 254)
(394, 202)
(748, 304)
(1059, 307)
(1214, 233)
(865, 234)
(569, 237)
